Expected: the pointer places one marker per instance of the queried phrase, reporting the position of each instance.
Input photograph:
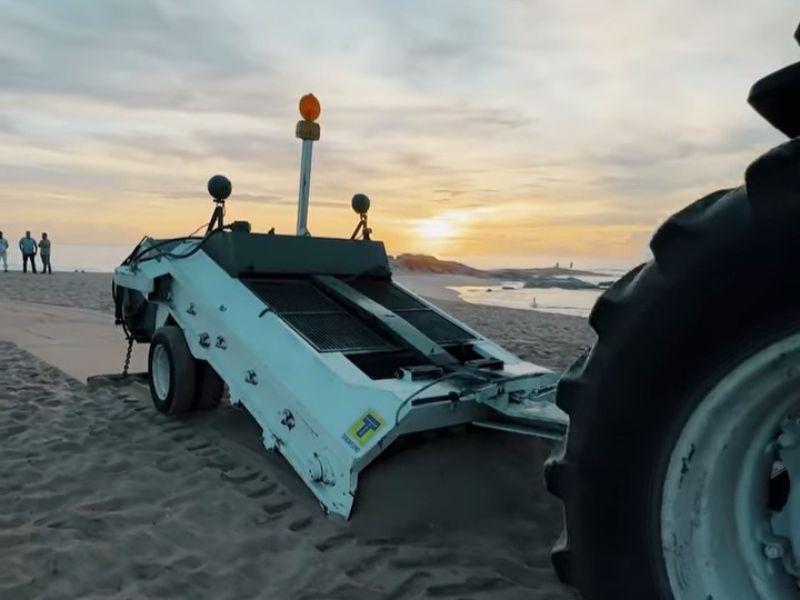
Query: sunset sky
(494, 132)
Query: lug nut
(773, 551)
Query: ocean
(513, 294)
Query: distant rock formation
(522, 274)
(423, 263)
(565, 283)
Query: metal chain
(127, 365)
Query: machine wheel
(209, 386)
(172, 371)
(680, 473)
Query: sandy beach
(103, 497)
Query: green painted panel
(264, 254)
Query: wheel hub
(783, 542)
(730, 516)
(160, 372)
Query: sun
(437, 229)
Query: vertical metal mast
(308, 131)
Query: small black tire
(171, 372)
(209, 386)
(722, 284)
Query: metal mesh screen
(435, 326)
(292, 296)
(432, 324)
(388, 294)
(330, 328)
(336, 332)
(317, 318)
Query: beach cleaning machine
(332, 358)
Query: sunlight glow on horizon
(436, 228)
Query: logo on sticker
(363, 430)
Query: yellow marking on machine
(365, 428)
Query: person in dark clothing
(44, 254)
(28, 247)
(4, 252)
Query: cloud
(144, 53)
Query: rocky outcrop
(566, 283)
(423, 263)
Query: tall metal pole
(308, 131)
(305, 185)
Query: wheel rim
(724, 535)
(160, 372)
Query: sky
(500, 133)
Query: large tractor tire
(209, 386)
(680, 473)
(172, 372)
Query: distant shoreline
(424, 263)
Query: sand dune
(103, 497)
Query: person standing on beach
(28, 247)
(44, 254)
(4, 252)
